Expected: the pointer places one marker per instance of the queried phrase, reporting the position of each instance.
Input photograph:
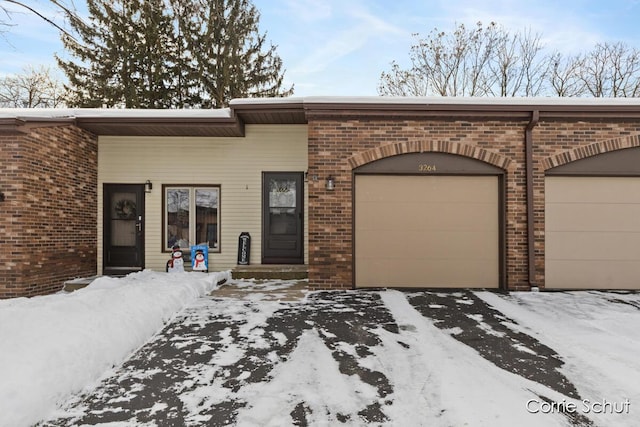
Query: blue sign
(200, 258)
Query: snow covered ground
(331, 358)
(56, 345)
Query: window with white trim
(191, 216)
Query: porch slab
(266, 289)
(79, 283)
(271, 271)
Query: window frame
(192, 188)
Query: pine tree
(224, 52)
(120, 52)
(169, 54)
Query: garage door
(592, 232)
(426, 231)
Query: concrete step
(79, 283)
(271, 271)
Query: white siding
(236, 164)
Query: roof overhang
(148, 126)
(18, 125)
(460, 107)
(230, 122)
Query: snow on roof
(127, 113)
(97, 113)
(441, 100)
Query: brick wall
(48, 223)
(338, 144)
(559, 142)
(49, 216)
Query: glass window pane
(123, 219)
(207, 217)
(123, 232)
(123, 206)
(177, 215)
(282, 221)
(282, 193)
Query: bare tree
(21, 4)
(444, 64)
(611, 70)
(564, 76)
(471, 62)
(490, 61)
(399, 82)
(33, 88)
(517, 66)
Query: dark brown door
(282, 218)
(123, 240)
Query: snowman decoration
(176, 263)
(199, 263)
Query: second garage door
(592, 232)
(427, 231)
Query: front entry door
(123, 239)
(282, 218)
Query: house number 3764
(426, 168)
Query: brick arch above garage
(590, 150)
(591, 209)
(408, 147)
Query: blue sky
(340, 47)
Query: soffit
(161, 126)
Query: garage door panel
(426, 231)
(435, 245)
(593, 217)
(592, 232)
(593, 245)
(592, 190)
(438, 189)
(437, 274)
(421, 216)
(581, 274)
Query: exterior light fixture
(1, 196)
(331, 184)
(148, 186)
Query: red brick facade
(559, 142)
(337, 145)
(49, 174)
(49, 216)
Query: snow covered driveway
(251, 355)
(380, 358)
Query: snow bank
(56, 345)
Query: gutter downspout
(528, 141)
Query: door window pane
(282, 221)
(123, 219)
(282, 193)
(123, 206)
(123, 232)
